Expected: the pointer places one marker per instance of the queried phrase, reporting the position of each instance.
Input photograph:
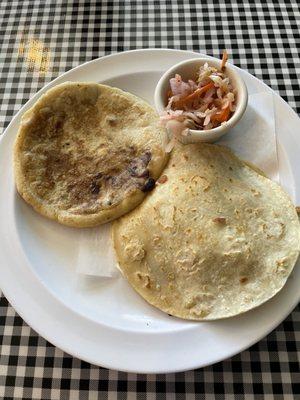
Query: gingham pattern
(261, 37)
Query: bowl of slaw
(200, 100)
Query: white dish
(187, 69)
(104, 321)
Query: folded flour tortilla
(213, 240)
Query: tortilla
(87, 153)
(213, 240)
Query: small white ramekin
(188, 70)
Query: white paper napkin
(95, 252)
(253, 139)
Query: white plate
(104, 321)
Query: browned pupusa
(214, 239)
(87, 153)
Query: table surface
(42, 39)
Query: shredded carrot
(224, 60)
(193, 96)
(222, 116)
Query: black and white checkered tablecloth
(41, 39)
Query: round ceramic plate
(103, 321)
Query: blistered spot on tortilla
(166, 214)
(144, 278)
(274, 230)
(220, 220)
(134, 251)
